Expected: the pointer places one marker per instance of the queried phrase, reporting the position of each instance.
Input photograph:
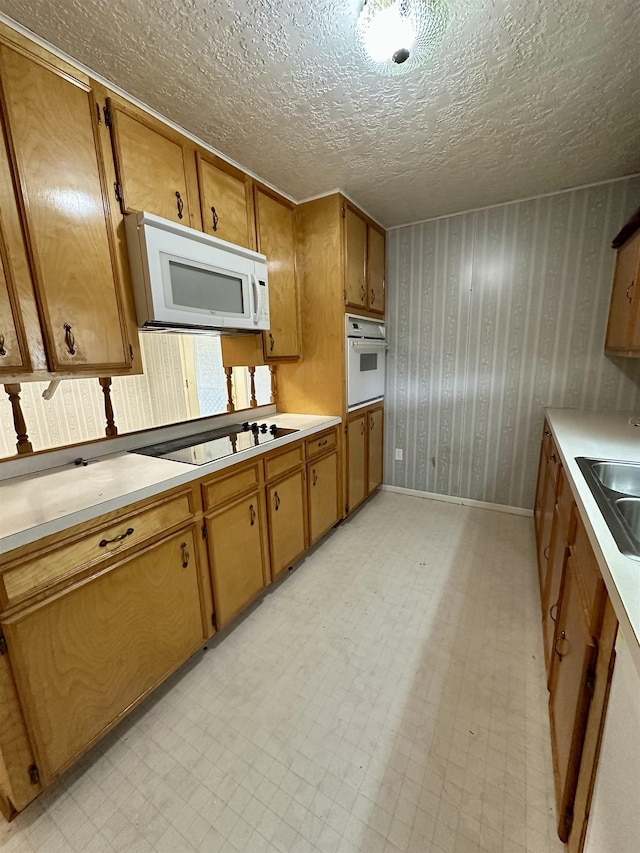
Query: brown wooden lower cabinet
(237, 556)
(82, 658)
(287, 510)
(322, 484)
(364, 454)
(579, 630)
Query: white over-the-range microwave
(187, 281)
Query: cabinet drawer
(322, 443)
(53, 565)
(274, 466)
(230, 485)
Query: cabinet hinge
(213, 619)
(346, 428)
(346, 509)
(3, 646)
(344, 294)
(107, 116)
(204, 529)
(344, 211)
(118, 192)
(34, 775)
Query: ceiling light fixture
(398, 35)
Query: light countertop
(611, 436)
(36, 505)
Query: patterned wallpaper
(493, 315)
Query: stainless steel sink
(616, 488)
(621, 477)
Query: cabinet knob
(180, 204)
(553, 458)
(252, 515)
(547, 433)
(185, 555)
(215, 218)
(562, 636)
(3, 351)
(69, 339)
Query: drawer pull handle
(3, 351)
(322, 443)
(104, 542)
(363, 292)
(551, 609)
(277, 500)
(215, 218)
(552, 458)
(562, 636)
(252, 515)
(373, 296)
(362, 428)
(271, 342)
(180, 204)
(69, 339)
(185, 555)
(545, 553)
(315, 477)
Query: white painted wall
(614, 822)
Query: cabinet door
(150, 164)
(235, 535)
(51, 120)
(375, 419)
(84, 657)
(355, 241)
(356, 461)
(287, 513)
(623, 295)
(276, 240)
(225, 201)
(14, 357)
(323, 495)
(552, 588)
(376, 268)
(571, 690)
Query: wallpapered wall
(493, 315)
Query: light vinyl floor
(388, 695)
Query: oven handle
(368, 344)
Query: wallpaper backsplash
(492, 316)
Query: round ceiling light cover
(398, 35)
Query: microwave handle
(257, 298)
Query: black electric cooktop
(215, 444)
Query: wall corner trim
(433, 496)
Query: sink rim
(606, 499)
(606, 463)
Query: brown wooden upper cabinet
(63, 211)
(226, 204)
(276, 239)
(365, 260)
(151, 163)
(623, 330)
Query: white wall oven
(366, 348)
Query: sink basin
(616, 489)
(629, 509)
(621, 477)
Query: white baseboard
(433, 496)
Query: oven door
(365, 370)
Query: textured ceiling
(522, 97)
